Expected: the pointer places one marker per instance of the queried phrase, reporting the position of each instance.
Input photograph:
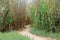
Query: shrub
(43, 20)
(5, 16)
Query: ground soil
(26, 32)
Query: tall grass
(44, 20)
(6, 15)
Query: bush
(43, 21)
(6, 20)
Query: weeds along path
(26, 32)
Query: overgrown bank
(45, 19)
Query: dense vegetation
(8, 21)
(5, 17)
(10, 18)
(45, 20)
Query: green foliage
(5, 14)
(43, 21)
(44, 33)
(43, 18)
(12, 36)
(58, 9)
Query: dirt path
(32, 36)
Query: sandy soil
(26, 32)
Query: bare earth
(26, 32)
